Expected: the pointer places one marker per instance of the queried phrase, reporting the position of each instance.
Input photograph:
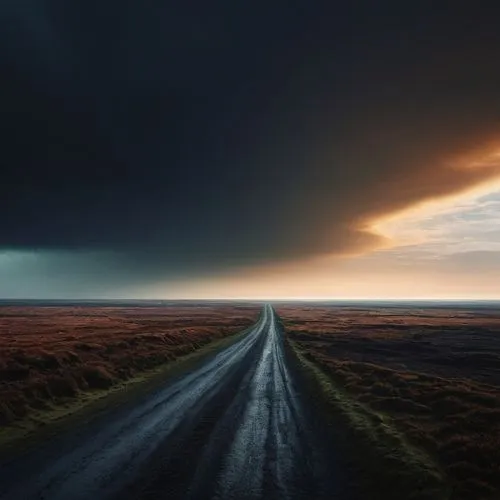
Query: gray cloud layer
(178, 140)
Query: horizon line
(260, 299)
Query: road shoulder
(26, 434)
(382, 464)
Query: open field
(429, 376)
(52, 355)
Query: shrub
(97, 377)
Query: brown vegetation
(49, 355)
(433, 374)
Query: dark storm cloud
(186, 137)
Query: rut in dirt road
(235, 427)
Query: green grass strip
(40, 425)
(389, 466)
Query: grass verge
(389, 467)
(39, 426)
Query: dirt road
(235, 427)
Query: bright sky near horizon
(449, 250)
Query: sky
(249, 149)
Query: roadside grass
(387, 464)
(51, 411)
(424, 383)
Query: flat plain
(430, 373)
(52, 355)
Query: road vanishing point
(234, 427)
